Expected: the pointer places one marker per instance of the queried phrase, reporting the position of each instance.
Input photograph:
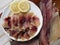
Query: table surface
(57, 3)
(36, 40)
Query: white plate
(33, 9)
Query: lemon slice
(14, 7)
(24, 6)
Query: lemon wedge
(24, 6)
(14, 7)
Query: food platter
(37, 13)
